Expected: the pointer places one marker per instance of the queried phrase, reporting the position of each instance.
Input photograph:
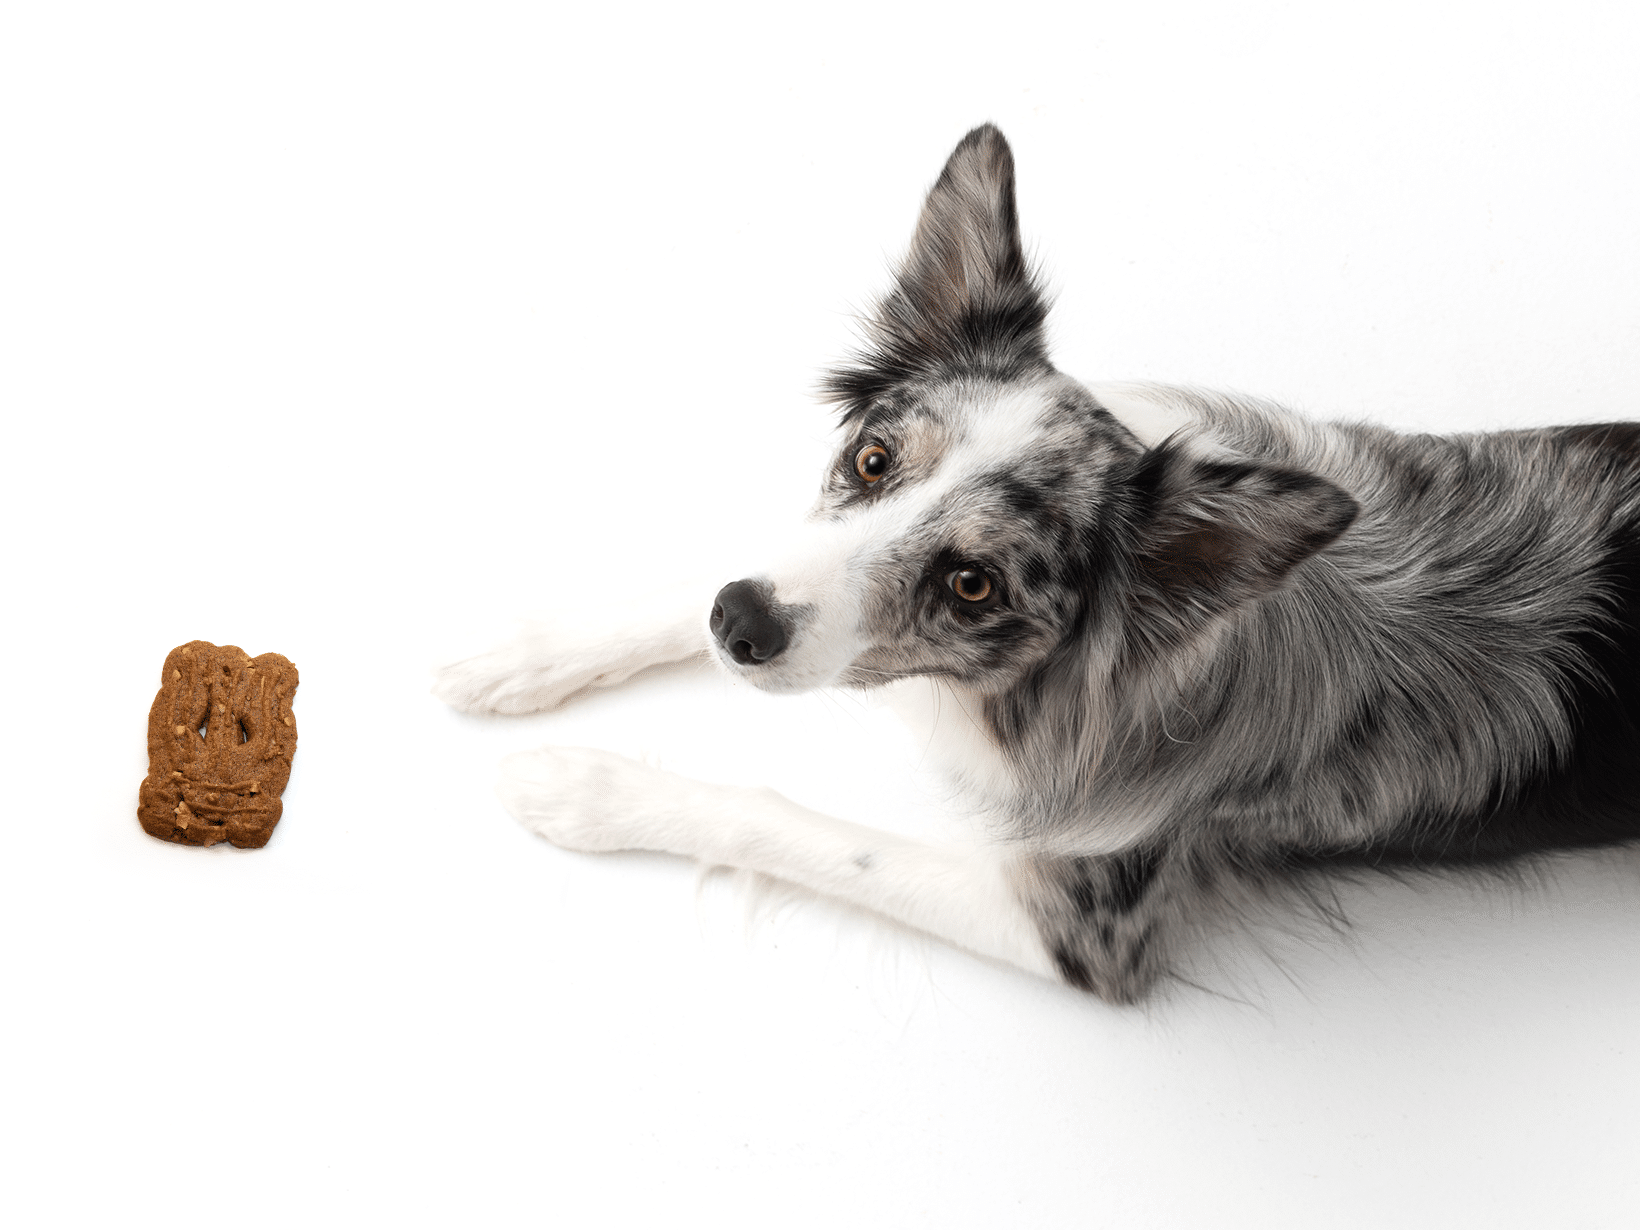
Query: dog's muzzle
(745, 624)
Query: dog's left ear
(1213, 534)
(964, 300)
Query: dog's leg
(544, 667)
(1107, 920)
(586, 799)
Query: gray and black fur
(1255, 648)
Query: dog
(1189, 648)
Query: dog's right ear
(964, 301)
(1214, 534)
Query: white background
(346, 331)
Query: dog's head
(984, 511)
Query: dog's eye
(872, 463)
(970, 584)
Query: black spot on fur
(1037, 571)
(1072, 968)
(1111, 884)
(1363, 726)
(1131, 875)
(1134, 959)
(1019, 498)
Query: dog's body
(1191, 645)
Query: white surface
(342, 330)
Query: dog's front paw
(582, 798)
(525, 676)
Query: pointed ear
(1213, 535)
(964, 299)
(966, 253)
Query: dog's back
(1455, 679)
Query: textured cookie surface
(221, 736)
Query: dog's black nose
(745, 626)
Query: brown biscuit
(221, 736)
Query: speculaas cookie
(220, 740)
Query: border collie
(1188, 648)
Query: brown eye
(872, 463)
(970, 584)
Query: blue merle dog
(1180, 649)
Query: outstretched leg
(586, 799)
(544, 667)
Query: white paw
(529, 675)
(583, 798)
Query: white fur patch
(587, 799)
(1151, 412)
